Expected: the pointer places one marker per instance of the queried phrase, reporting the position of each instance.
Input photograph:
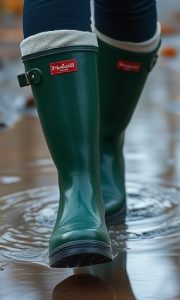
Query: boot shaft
(65, 88)
(122, 75)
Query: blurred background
(148, 266)
(13, 99)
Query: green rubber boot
(122, 75)
(64, 85)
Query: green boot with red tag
(122, 75)
(65, 87)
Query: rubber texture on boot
(80, 253)
(120, 89)
(117, 218)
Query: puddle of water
(152, 222)
(27, 219)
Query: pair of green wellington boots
(87, 151)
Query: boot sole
(117, 218)
(80, 253)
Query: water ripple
(152, 222)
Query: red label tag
(61, 67)
(129, 66)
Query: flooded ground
(146, 248)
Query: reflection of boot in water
(83, 287)
(116, 276)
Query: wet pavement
(146, 248)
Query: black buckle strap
(33, 76)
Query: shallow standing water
(146, 248)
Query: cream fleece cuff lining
(143, 47)
(55, 39)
